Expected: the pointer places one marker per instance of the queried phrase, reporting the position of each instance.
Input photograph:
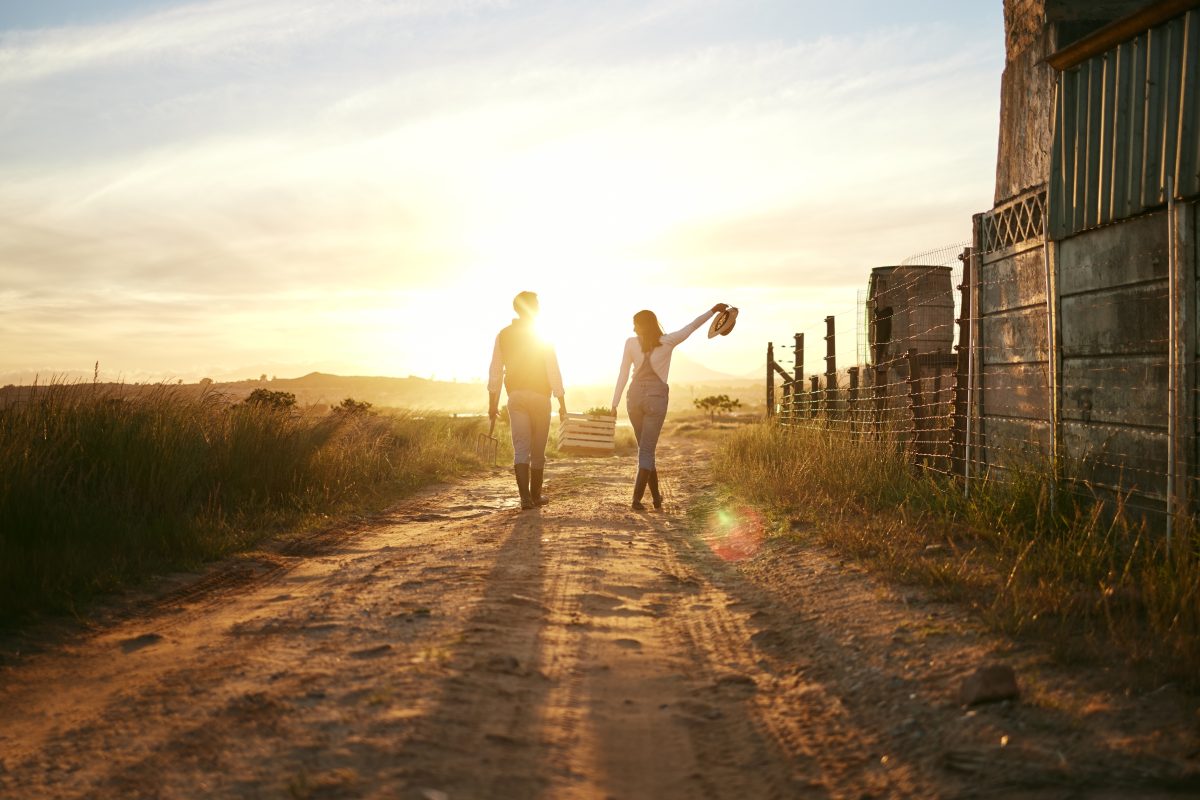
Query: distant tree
(206, 381)
(353, 407)
(716, 402)
(262, 378)
(728, 405)
(269, 399)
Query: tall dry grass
(101, 485)
(1035, 559)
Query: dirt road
(459, 648)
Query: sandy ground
(457, 647)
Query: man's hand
(719, 307)
(493, 405)
(614, 411)
(562, 408)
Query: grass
(102, 486)
(1035, 560)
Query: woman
(648, 354)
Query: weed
(1035, 559)
(101, 485)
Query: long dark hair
(648, 331)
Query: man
(528, 369)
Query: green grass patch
(1034, 560)
(101, 486)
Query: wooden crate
(586, 434)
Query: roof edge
(1118, 31)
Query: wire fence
(979, 363)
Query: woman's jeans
(529, 419)
(646, 403)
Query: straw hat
(723, 322)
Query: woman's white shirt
(660, 357)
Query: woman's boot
(639, 489)
(522, 473)
(535, 486)
(654, 493)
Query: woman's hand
(719, 307)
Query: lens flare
(735, 534)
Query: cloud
(201, 31)
(255, 167)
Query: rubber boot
(535, 486)
(639, 489)
(522, 473)
(654, 493)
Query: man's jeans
(529, 419)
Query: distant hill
(688, 380)
(317, 388)
(685, 370)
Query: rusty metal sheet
(1014, 443)
(1123, 390)
(1013, 281)
(1134, 252)
(1017, 390)
(1125, 121)
(1013, 337)
(1126, 321)
(1114, 456)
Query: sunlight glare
(735, 534)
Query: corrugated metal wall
(1124, 121)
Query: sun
(587, 328)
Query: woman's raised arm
(675, 337)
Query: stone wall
(1023, 23)
(1026, 102)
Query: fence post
(830, 369)
(1187, 324)
(879, 393)
(852, 400)
(770, 379)
(914, 404)
(935, 418)
(1174, 339)
(798, 376)
(958, 436)
(815, 394)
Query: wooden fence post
(958, 435)
(915, 405)
(798, 377)
(830, 369)
(853, 398)
(937, 427)
(770, 379)
(814, 396)
(879, 393)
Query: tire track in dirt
(796, 751)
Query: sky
(234, 187)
